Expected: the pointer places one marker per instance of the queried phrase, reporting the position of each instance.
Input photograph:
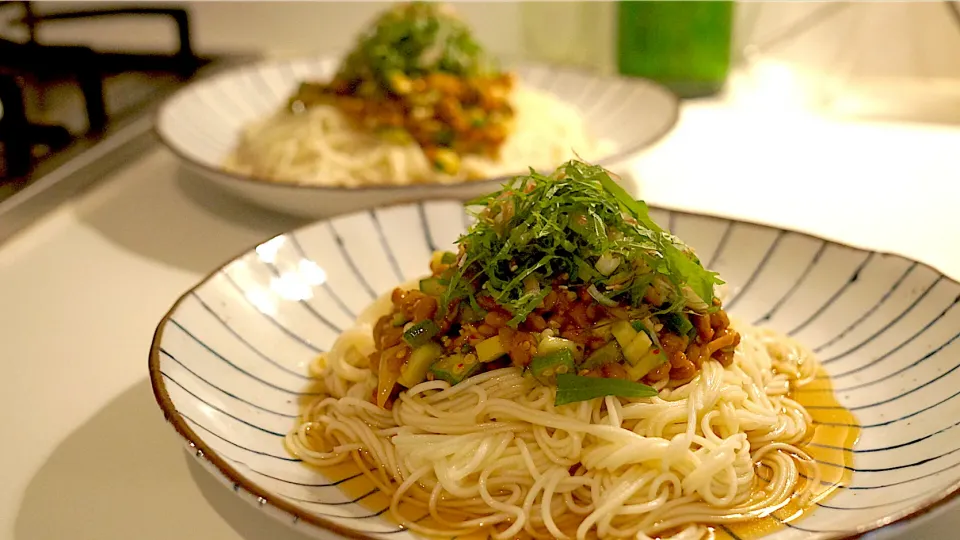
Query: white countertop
(86, 454)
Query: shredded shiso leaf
(578, 223)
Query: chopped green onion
(548, 366)
(455, 368)
(421, 333)
(531, 285)
(607, 263)
(573, 388)
(600, 297)
(432, 286)
(678, 323)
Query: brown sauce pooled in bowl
(825, 445)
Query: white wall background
(275, 27)
(917, 42)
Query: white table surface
(85, 454)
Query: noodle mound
(417, 100)
(494, 450)
(320, 147)
(569, 373)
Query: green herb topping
(576, 223)
(416, 39)
(574, 388)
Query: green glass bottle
(684, 45)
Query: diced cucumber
(624, 332)
(470, 315)
(421, 333)
(399, 83)
(432, 286)
(455, 368)
(648, 363)
(637, 349)
(415, 369)
(395, 135)
(639, 326)
(552, 344)
(399, 319)
(448, 257)
(444, 137)
(547, 366)
(446, 160)
(490, 349)
(608, 354)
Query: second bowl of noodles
(435, 116)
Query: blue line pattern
(326, 284)
(834, 296)
(793, 287)
(756, 271)
(886, 329)
(870, 311)
(883, 330)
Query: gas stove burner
(18, 135)
(34, 65)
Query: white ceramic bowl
(228, 361)
(201, 124)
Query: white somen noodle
(319, 147)
(495, 450)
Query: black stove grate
(21, 136)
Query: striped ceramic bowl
(202, 122)
(229, 361)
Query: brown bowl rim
(265, 497)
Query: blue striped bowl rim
(902, 279)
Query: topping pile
(417, 75)
(567, 277)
